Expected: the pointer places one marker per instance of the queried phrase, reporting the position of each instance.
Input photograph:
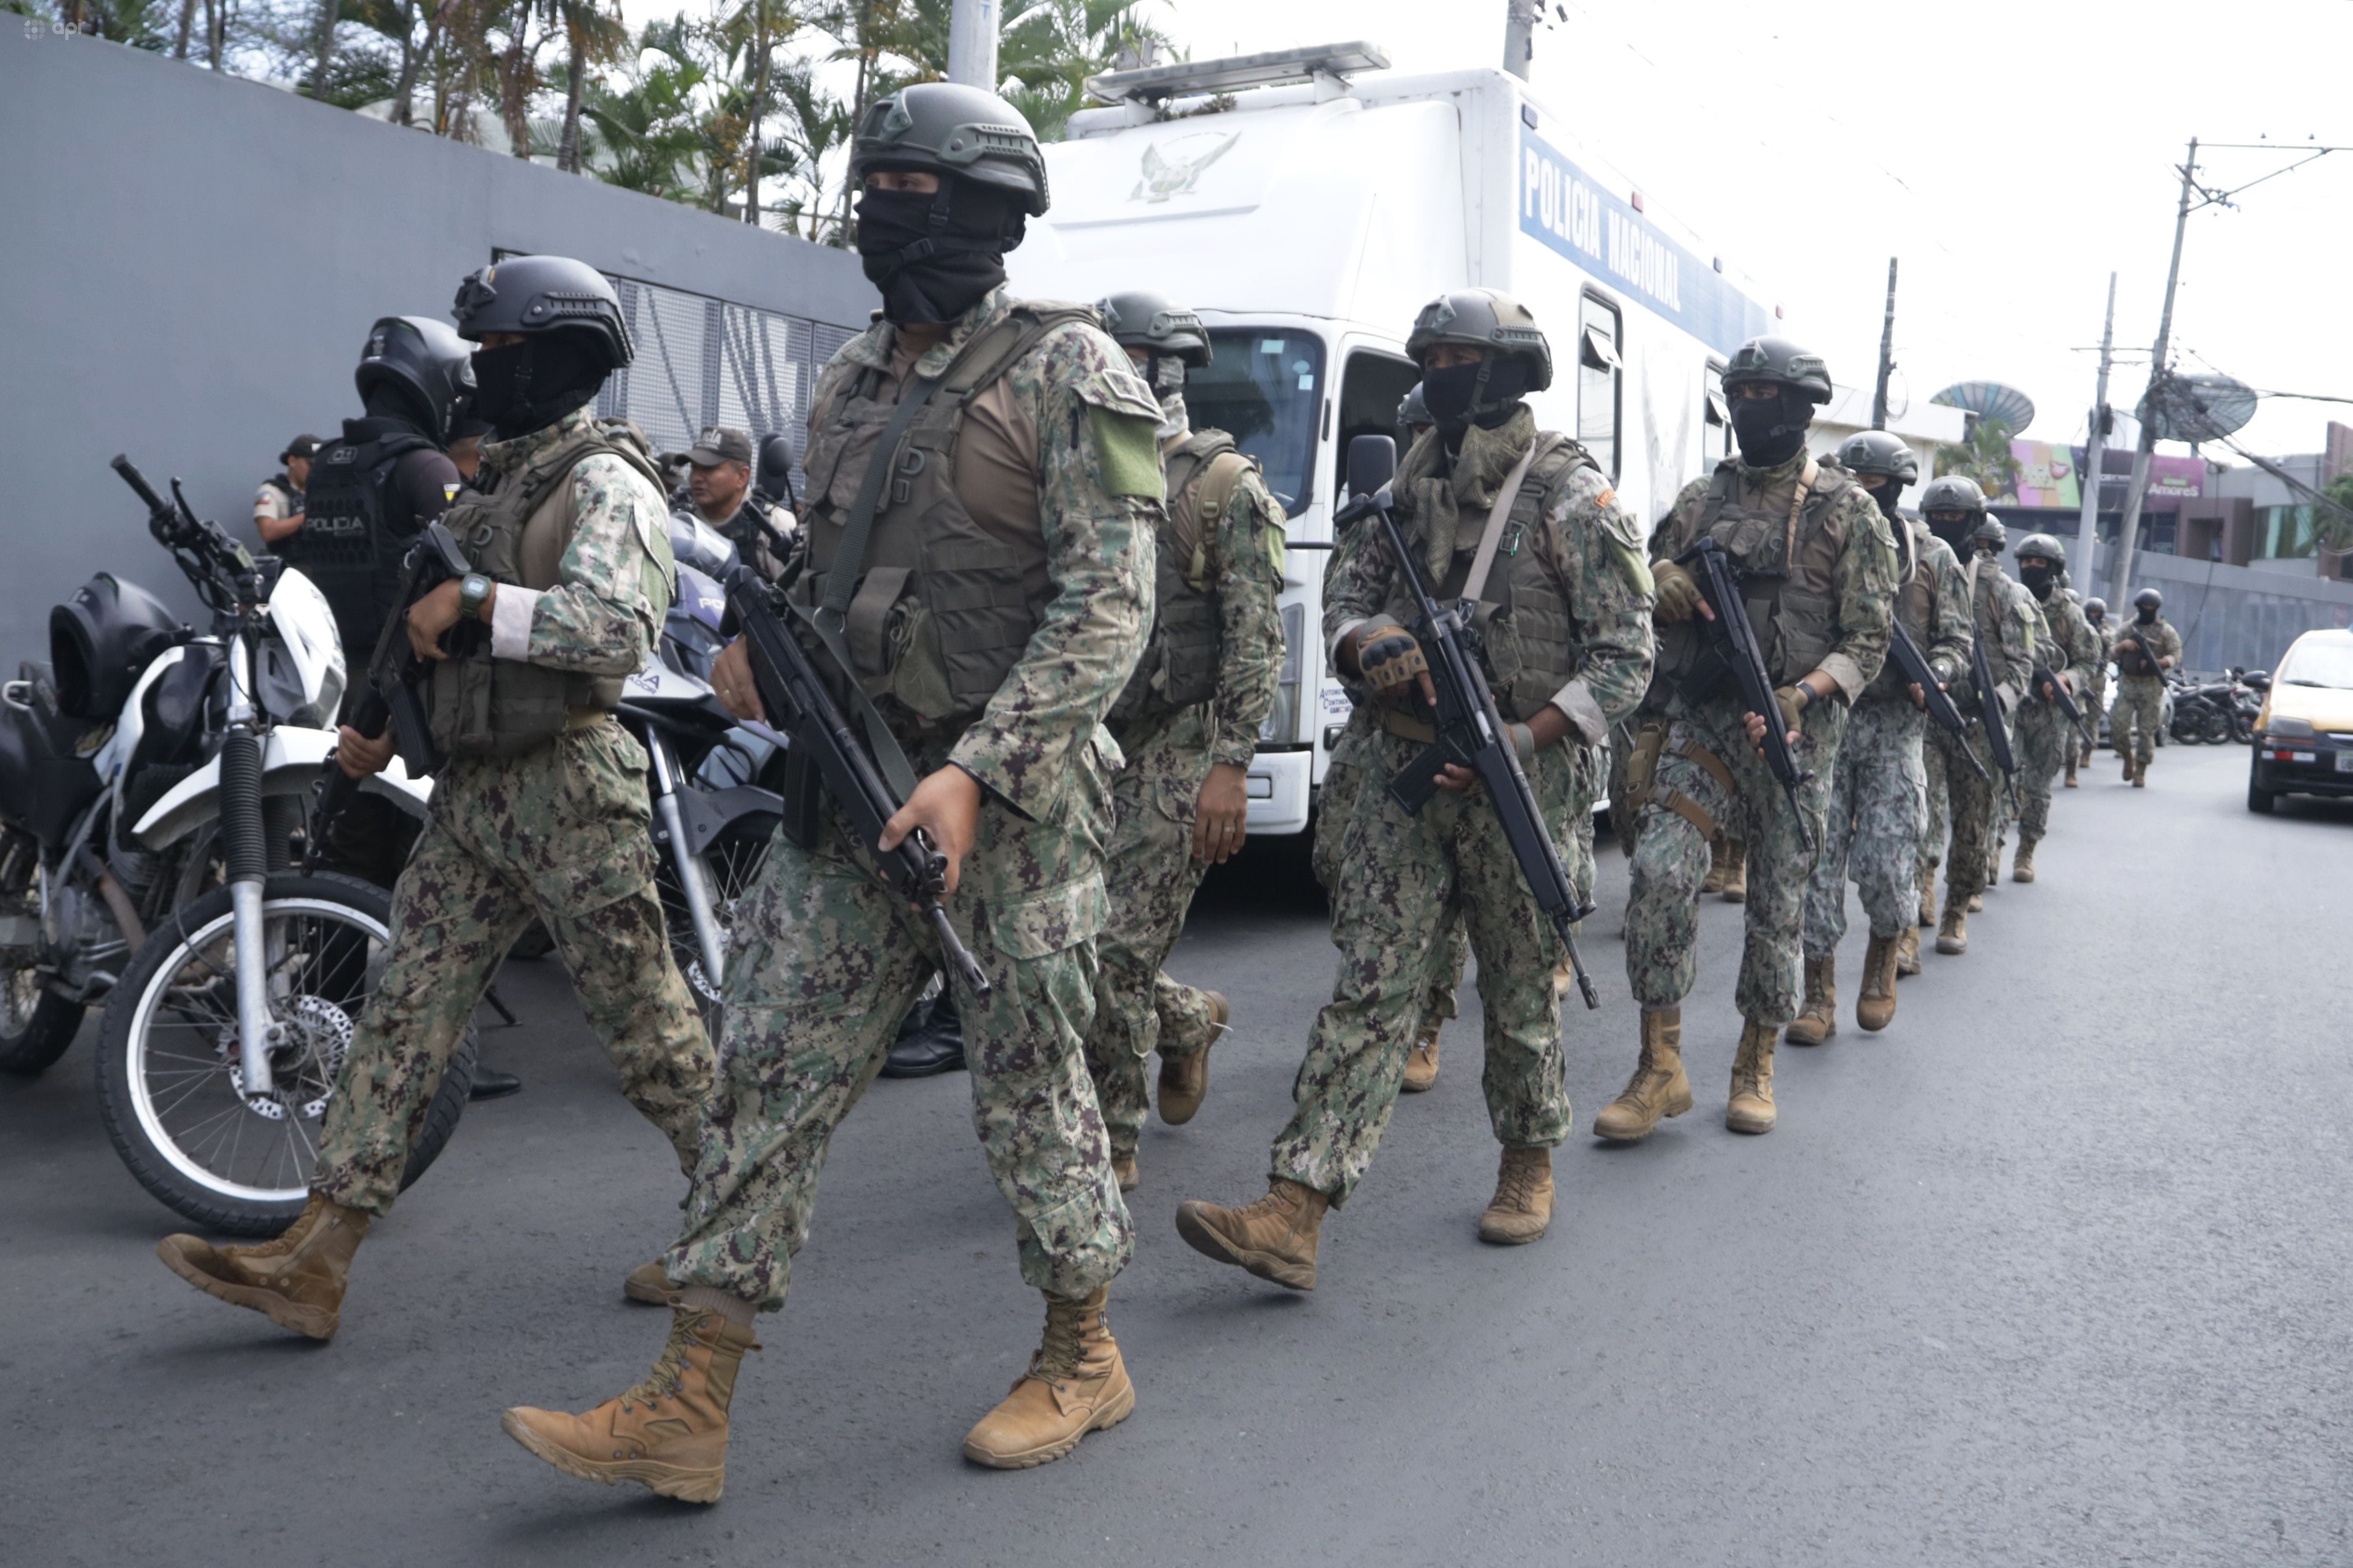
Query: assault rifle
(2146, 654)
(1989, 715)
(1915, 668)
(1472, 733)
(797, 703)
(1732, 651)
(2064, 702)
(394, 694)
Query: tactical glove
(1678, 598)
(1793, 701)
(1392, 660)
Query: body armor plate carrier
(1179, 667)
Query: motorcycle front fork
(693, 887)
(245, 842)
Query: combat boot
(2140, 775)
(1976, 907)
(1953, 936)
(1818, 1020)
(669, 1432)
(1659, 1087)
(2126, 758)
(296, 1280)
(1907, 951)
(2071, 768)
(2023, 868)
(1874, 1009)
(1185, 1080)
(1928, 900)
(1751, 1109)
(1421, 1062)
(1076, 1383)
(649, 1283)
(1718, 860)
(1122, 1166)
(1521, 1210)
(1736, 872)
(1274, 1238)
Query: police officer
(1563, 597)
(1879, 790)
(2146, 648)
(720, 491)
(541, 812)
(991, 607)
(277, 504)
(2095, 616)
(2046, 738)
(1821, 569)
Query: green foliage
(2332, 525)
(1984, 456)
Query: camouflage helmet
(529, 294)
(946, 128)
(2041, 547)
(1877, 452)
(1140, 318)
(1779, 361)
(1482, 319)
(1953, 492)
(1990, 532)
(2098, 604)
(1412, 412)
(2149, 599)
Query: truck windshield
(1264, 387)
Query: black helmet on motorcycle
(772, 476)
(533, 294)
(432, 367)
(2149, 599)
(101, 639)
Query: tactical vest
(516, 531)
(1179, 667)
(1791, 593)
(943, 606)
(1526, 631)
(343, 546)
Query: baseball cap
(720, 443)
(303, 446)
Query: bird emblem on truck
(1165, 176)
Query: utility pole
(972, 44)
(1520, 36)
(2136, 489)
(2087, 475)
(1886, 354)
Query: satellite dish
(2199, 407)
(1989, 400)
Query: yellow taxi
(2304, 736)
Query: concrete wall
(2242, 615)
(189, 264)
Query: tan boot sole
(636, 1291)
(1129, 1177)
(1873, 1014)
(2022, 874)
(687, 1485)
(1116, 1409)
(311, 1322)
(1622, 1133)
(1188, 1101)
(1513, 1229)
(1803, 1030)
(1415, 1082)
(1206, 1241)
(1738, 1120)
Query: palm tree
(1983, 455)
(590, 34)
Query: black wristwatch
(472, 594)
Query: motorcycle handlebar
(139, 485)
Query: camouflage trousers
(1970, 804)
(1151, 874)
(2094, 703)
(2042, 739)
(827, 962)
(560, 833)
(1408, 882)
(1341, 777)
(1671, 858)
(1878, 808)
(2141, 699)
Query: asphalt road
(2055, 1270)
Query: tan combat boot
(1907, 951)
(1976, 907)
(1751, 1109)
(2023, 868)
(669, 1432)
(1659, 1087)
(1718, 860)
(1274, 1238)
(1953, 936)
(2071, 768)
(2140, 775)
(1521, 1210)
(649, 1283)
(2126, 758)
(296, 1280)
(1076, 1385)
(1421, 1061)
(1874, 1009)
(1818, 1021)
(1736, 872)
(1929, 898)
(1124, 1167)
(1185, 1080)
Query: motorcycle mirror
(1372, 463)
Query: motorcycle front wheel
(730, 866)
(170, 1082)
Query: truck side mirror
(1372, 463)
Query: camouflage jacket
(1246, 552)
(605, 615)
(2078, 645)
(2163, 640)
(1938, 587)
(2009, 624)
(2104, 632)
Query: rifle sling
(1481, 563)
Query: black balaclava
(1770, 433)
(935, 255)
(2097, 618)
(524, 387)
(1886, 496)
(2146, 613)
(1457, 397)
(391, 402)
(2038, 574)
(1957, 534)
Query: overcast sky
(2011, 154)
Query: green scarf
(1451, 495)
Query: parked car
(2304, 735)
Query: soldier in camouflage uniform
(1188, 723)
(542, 810)
(990, 608)
(1878, 794)
(2046, 738)
(1821, 568)
(2095, 616)
(2146, 648)
(1563, 600)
